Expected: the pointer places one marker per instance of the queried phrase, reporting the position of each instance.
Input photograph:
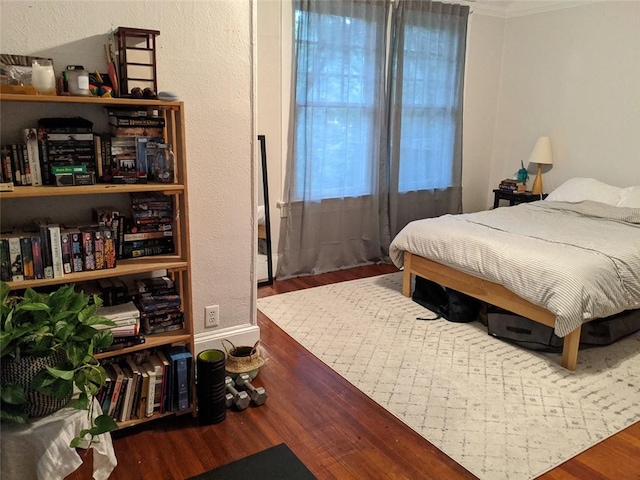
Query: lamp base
(537, 183)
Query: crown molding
(519, 8)
(531, 7)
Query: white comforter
(578, 260)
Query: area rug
(499, 410)
(275, 463)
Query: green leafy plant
(45, 324)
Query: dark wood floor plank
(336, 430)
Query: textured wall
(205, 55)
(573, 75)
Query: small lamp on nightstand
(541, 154)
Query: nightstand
(515, 198)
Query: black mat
(275, 463)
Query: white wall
(574, 75)
(269, 104)
(485, 37)
(205, 55)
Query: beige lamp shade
(541, 154)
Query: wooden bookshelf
(177, 265)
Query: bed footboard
(489, 292)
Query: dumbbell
(240, 399)
(258, 395)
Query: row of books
(132, 151)
(149, 306)
(149, 230)
(53, 251)
(148, 382)
(126, 317)
(160, 305)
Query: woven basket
(24, 371)
(242, 359)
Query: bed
(563, 261)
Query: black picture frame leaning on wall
(267, 222)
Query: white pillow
(629, 197)
(580, 189)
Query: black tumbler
(210, 387)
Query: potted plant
(47, 342)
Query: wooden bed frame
(489, 292)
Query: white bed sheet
(578, 260)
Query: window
(429, 108)
(335, 102)
(343, 105)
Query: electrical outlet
(211, 316)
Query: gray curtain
(428, 52)
(357, 139)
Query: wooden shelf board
(100, 188)
(14, 97)
(138, 421)
(151, 341)
(125, 267)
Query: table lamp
(541, 154)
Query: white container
(43, 77)
(78, 82)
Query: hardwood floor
(335, 430)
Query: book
(127, 111)
(44, 155)
(116, 389)
(119, 312)
(5, 163)
(167, 381)
(89, 259)
(125, 412)
(107, 389)
(130, 237)
(142, 159)
(27, 258)
(137, 381)
(144, 392)
(36, 252)
(120, 343)
(137, 131)
(5, 262)
(155, 361)
(30, 136)
(26, 169)
(151, 391)
(98, 249)
(109, 249)
(67, 258)
(18, 173)
(126, 330)
(15, 257)
(47, 259)
(97, 145)
(77, 255)
(181, 364)
(68, 169)
(128, 121)
(107, 160)
(160, 161)
(56, 251)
